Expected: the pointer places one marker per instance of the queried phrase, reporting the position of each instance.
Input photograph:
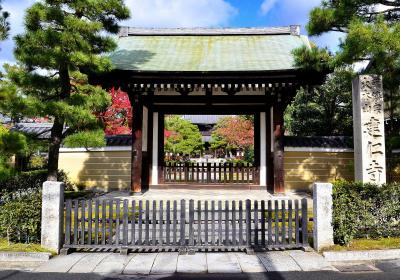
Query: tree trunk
(54, 148)
(58, 126)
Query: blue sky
(194, 13)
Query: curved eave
(118, 77)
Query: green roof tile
(206, 53)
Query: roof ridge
(278, 30)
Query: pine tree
(372, 35)
(4, 23)
(184, 138)
(371, 29)
(62, 41)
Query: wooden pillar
(259, 125)
(154, 149)
(257, 147)
(161, 154)
(278, 148)
(137, 144)
(145, 148)
(270, 148)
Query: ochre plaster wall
(105, 170)
(302, 169)
(110, 170)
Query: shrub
(25, 183)
(365, 211)
(21, 204)
(20, 219)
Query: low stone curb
(362, 255)
(24, 257)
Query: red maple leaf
(117, 118)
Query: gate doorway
(209, 150)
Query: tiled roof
(207, 50)
(42, 130)
(4, 119)
(119, 140)
(204, 119)
(135, 31)
(290, 141)
(39, 130)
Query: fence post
(52, 215)
(322, 210)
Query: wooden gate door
(185, 225)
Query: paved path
(169, 263)
(196, 266)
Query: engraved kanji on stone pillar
(369, 134)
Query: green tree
(326, 110)
(217, 141)
(184, 137)
(372, 30)
(62, 41)
(314, 59)
(11, 143)
(4, 23)
(372, 34)
(336, 15)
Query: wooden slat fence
(209, 173)
(189, 225)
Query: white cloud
(266, 6)
(329, 39)
(287, 12)
(180, 13)
(145, 13)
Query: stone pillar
(52, 215)
(368, 129)
(322, 220)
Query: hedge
(20, 219)
(21, 206)
(365, 211)
(26, 183)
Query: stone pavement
(170, 263)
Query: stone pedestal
(52, 215)
(322, 220)
(368, 127)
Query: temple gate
(208, 71)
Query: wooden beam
(211, 110)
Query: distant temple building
(205, 123)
